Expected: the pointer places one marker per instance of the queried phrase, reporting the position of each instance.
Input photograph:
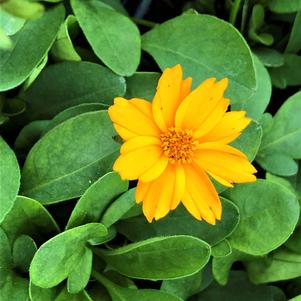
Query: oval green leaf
(96, 198)
(283, 138)
(69, 158)
(59, 257)
(72, 83)
(158, 258)
(29, 217)
(262, 205)
(9, 178)
(181, 222)
(198, 45)
(114, 38)
(35, 38)
(119, 293)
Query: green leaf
(183, 287)
(117, 5)
(294, 242)
(249, 141)
(29, 217)
(80, 275)
(181, 222)
(282, 142)
(69, 158)
(238, 287)
(198, 45)
(158, 258)
(43, 294)
(221, 266)
(269, 57)
(35, 72)
(24, 248)
(222, 249)
(63, 49)
(57, 259)
(279, 265)
(72, 83)
(114, 38)
(5, 254)
(65, 296)
(119, 208)
(9, 179)
(142, 85)
(288, 74)
(278, 163)
(14, 288)
(5, 40)
(119, 293)
(96, 199)
(257, 104)
(256, 233)
(294, 42)
(36, 37)
(56, 294)
(98, 292)
(13, 107)
(283, 6)
(72, 112)
(23, 8)
(29, 135)
(9, 23)
(279, 180)
(256, 23)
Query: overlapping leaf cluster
(69, 226)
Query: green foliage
(180, 222)
(60, 257)
(52, 176)
(70, 227)
(113, 37)
(277, 206)
(157, 258)
(282, 142)
(63, 49)
(72, 85)
(97, 197)
(9, 178)
(202, 53)
(13, 67)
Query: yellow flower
(174, 143)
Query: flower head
(174, 143)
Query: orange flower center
(178, 145)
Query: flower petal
(213, 119)
(167, 97)
(228, 128)
(139, 142)
(155, 171)
(163, 194)
(185, 87)
(201, 198)
(221, 147)
(133, 164)
(180, 184)
(133, 117)
(225, 165)
(141, 191)
(199, 104)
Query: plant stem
(234, 11)
(98, 276)
(144, 22)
